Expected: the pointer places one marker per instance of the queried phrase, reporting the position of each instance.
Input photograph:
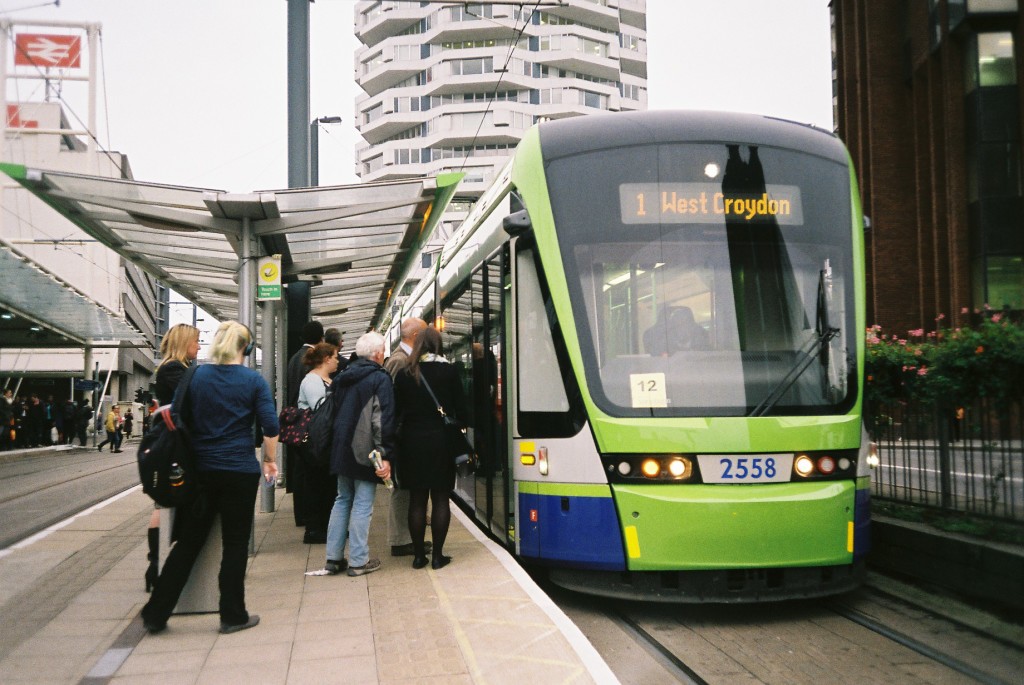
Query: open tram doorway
(475, 339)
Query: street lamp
(314, 147)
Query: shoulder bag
(455, 437)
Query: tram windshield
(709, 279)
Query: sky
(195, 91)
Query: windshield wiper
(815, 347)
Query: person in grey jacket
(365, 420)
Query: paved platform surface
(71, 595)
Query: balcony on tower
(386, 67)
(376, 21)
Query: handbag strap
(182, 395)
(440, 409)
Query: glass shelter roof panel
(340, 238)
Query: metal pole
(88, 370)
(246, 280)
(5, 28)
(93, 33)
(314, 153)
(298, 93)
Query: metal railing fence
(967, 459)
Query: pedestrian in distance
(111, 424)
(365, 421)
(425, 466)
(35, 422)
(225, 398)
(83, 417)
(129, 420)
(321, 487)
(69, 415)
(7, 420)
(178, 350)
(398, 516)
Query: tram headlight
(873, 455)
(845, 464)
(650, 468)
(678, 468)
(625, 468)
(826, 465)
(804, 465)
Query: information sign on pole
(268, 283)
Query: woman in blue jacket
(223, 400)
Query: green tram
(657, 319)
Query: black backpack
(167, 467)
(321, 430)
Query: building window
(479, 65)
(995, 59)
(372, 114)
(993, 166)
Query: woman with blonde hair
(178, 349)
(224, 399)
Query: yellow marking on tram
(632, 542)
(849, 536)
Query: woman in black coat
(425, 464)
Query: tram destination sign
(705, 203)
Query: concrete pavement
(70, 599)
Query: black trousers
(233, 496)
(319, 491)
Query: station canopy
(352, 243)
(41, 311)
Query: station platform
(71, 596)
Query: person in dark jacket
(6, 420)
(178, 349)
(83, 417)
(224, 399)
(333, 336)
(296, 370)
(366, 418)
(425, 465)
(398, 515)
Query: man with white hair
(365, 421)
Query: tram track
(785, 642)
(37, 490)
(43, 490)
(662, 654)
(917, 646)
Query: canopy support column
(247, 281)
(87, 375)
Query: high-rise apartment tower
(455, 87)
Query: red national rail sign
(47, 50)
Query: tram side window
(538, 363)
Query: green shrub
(953, 367)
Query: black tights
(440, 517)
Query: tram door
(475, 344)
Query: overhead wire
(504, 70)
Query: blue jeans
(350, 521)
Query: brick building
(928, 98)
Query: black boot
(154, 559)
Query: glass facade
(993, 153)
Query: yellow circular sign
(269, 272)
